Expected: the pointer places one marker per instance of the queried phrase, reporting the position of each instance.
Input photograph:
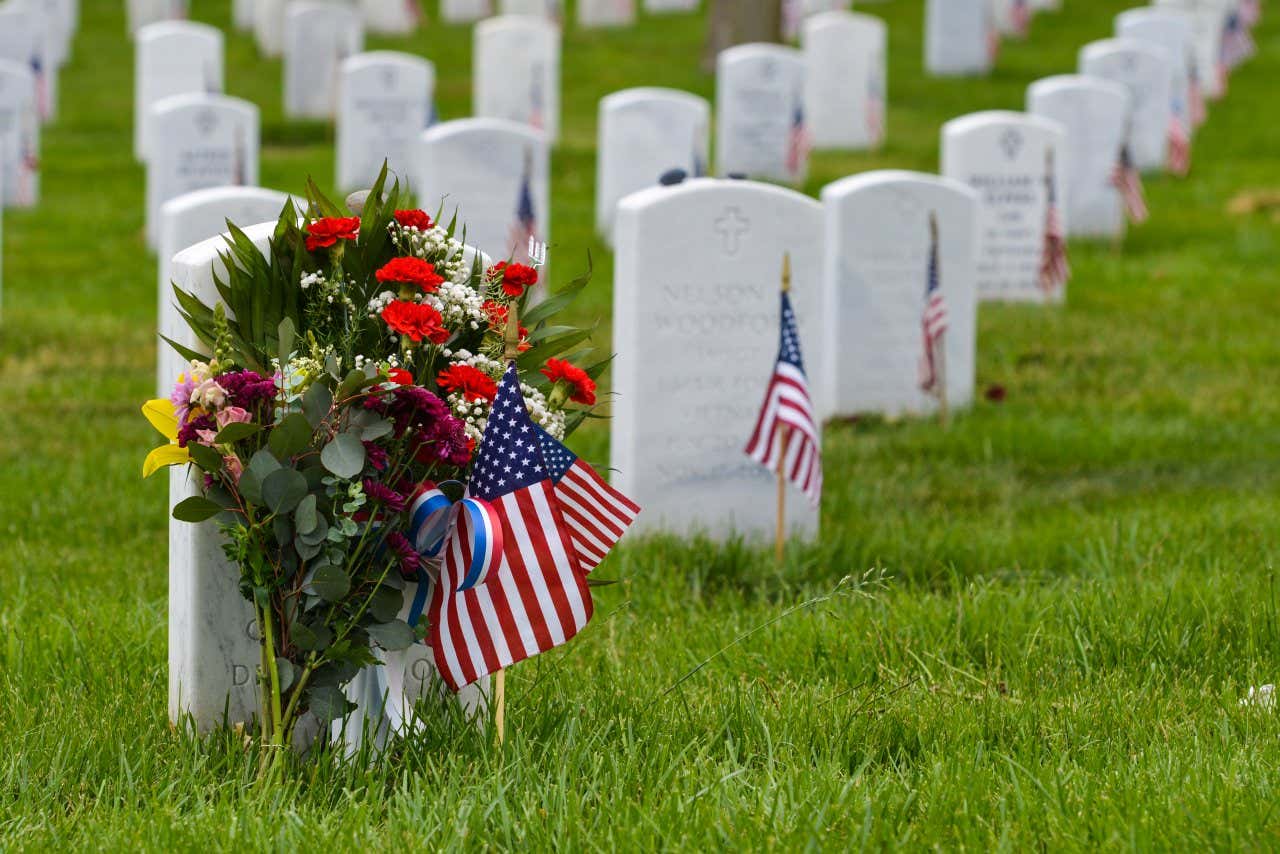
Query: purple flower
(376, 455)
(192, 429)
(180, 397)
(404, 551)
(380, 493)
(246, 388)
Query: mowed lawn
(1076, 583)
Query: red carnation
(515, 278)
(416, 320)
(474, 384)
(414, 219)
(328, 231)
(583, 387)
(400, 376)
(411, 271)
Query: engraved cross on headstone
(731, 227)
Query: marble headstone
(384, 104)
(242, 15)
(172, 58)
(19, 137)
(1094, 113)
(495, 174)
(200, 141)
(517, 72)
(139, 13)
(796, 12)
(606, 13)
(1143, 70)
(663, 7)
(644, 133)
(960, 37)
(391, 17)
(185, 221)
(761, 128)
(464, 11)
(319, 35)
(1010, 159)
(1170, 31)
(876, 249)
(695, 322)
(1208, 19)
(24, 40)
(552, 10)
(845, 91)
(268, 26)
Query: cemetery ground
(1080, 576)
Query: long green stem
(269, 640)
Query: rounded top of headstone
(355, 201)
(672, 177)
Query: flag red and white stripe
(1054, 269)
(1179, 147)
(1128, 182)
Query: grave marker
(1143, 70)
(19, 137)
(384, 104)
(517, 72)
(845, 79)
(172, 58)
(761, 129)
(318, 38)
(960, 38)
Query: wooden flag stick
(512, 340)
(780, 533)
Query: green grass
(1082, 576)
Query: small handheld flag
(1128, 182)
(1054, 269)
(933, 320)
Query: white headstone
(1170, 31)
(761, 130)
(24, 40)
(960, 37)
(319, 35)
(143, 12)
(384, 104)
(185, 221)
(201, 141)
(877, 248)
(796, 12)
(1208, 19)
(268, 26)
(644, 133)
(662, 7)
(19, 137)
(172, 58)
(464, 11)
(242, 15)
(696, 318)
(845, 92)
(1144, 71)
(391, 17)
(606, 13)
(552, 10)
(495, 174)
(517, 72)
(1094, 113)
(1012, 17)
(1009, 158)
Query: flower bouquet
(346, 375)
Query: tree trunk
(734, 22)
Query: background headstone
(761, 129)
(846, 75)
(384, 104)
(139, 13)
(552, 10)
(19, 137)
(516, 66)
(185, 221)
(1094, 113)
(173, 58)
(200, 141)
(24, 40)
(1208, 19)
(644, 133)
(663, 7)
(876, 250)
(268, 26)
(318, 38)
(391, 17)
(1143, 70)
(464, 11)
(496, 175)
(1005, 157)
(606, 13)
(1168, 30)
(960, 37)
(796, 12)
(696, 327)
(242, 15)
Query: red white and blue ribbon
(471, 525)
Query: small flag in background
(1179, 147)
(1237, 45)
(1195, 94)
(1054, 269)
(1020, 17)
(798, 143)
(993, 41)
(597, 514)
(933, 320)
(535, 597)
(875, 105)
(1128, 182)
(1250, 12)
(525, 226)
(42, 86)
(788, 410)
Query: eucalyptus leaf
(205, 457)
(316, 403)
(287, 335)
(283, 489)
(376, 430)
(304, 516)
(291, 436)
(234, 432)
(327, 703)
(312, 638)
(288, 673)
(283, 529)
(306, 550)
(344, 456)
(385, 604)
(330, 583)
(197, 508)
(391, 635)
(316, 535)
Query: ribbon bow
(470, 529)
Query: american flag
(933, 320)
(537, 109)
(42, 86)
(1054, 269)
(1195, 94)
(875, 107)
(1179, 147)
(1020, 17)
(1237, 43)
(1250, 12)
(525, 226)
(28, 166)
(787, 410)
(798, 143)
(535, 597)
(413, 10)
(993, 42)
(1125, 178)
(598, 515)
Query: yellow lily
(162, 417)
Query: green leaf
(352, 383)
(316, 535)
(344, 456)
(314, 637)
(305, 517)
(306, 550)
(283, 530)
(234, 432)
(287, 335)
(327, 703)
(316, 403)
(385, 603)
(197, 508)
(330, 583)
(205, 457)
(376, 430)
(392, 635)
(291, 436)
(283, 489)
(288, 673)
